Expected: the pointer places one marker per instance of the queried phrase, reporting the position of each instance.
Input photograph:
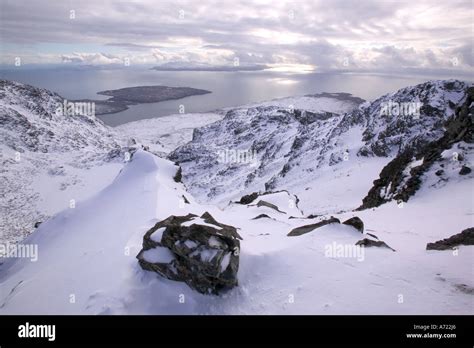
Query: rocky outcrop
(201, 252)
(298, 231)
(178, 176)
(466, 237)
(355, 222)
(247, 199)
(465, 170)
(366, 242)
(261, 216)
(263, 203)
(402, 177)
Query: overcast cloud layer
(360, 35)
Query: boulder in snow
(355, 222)
(263, 203)
(298, 231)
(199, 251)
(366, 242)
(464, 170)
(247, 199)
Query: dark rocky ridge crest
(466, 237)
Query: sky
(295, 36)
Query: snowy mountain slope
(270, 135)
(293, 149)
(277, 275)
(48, 157)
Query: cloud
(328, 35)
(92, 58)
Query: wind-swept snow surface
(86, 256)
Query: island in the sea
(123, 97)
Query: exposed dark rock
(247, 199)
(204, 257)
(391, 173)
(185, 199)
(307, 117)
(366, 242)
(261, 216)
(464, 170)
(178, 177)
(227, 230)
(355, 222)
(310, 216)
(466, 237)
(372, 235)
(262, 203)
(38, 223)
(439, 172)
(298, 231)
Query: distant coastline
(123, 97)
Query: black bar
(260, 330)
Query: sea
(228, 88)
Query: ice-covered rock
(201, 252)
